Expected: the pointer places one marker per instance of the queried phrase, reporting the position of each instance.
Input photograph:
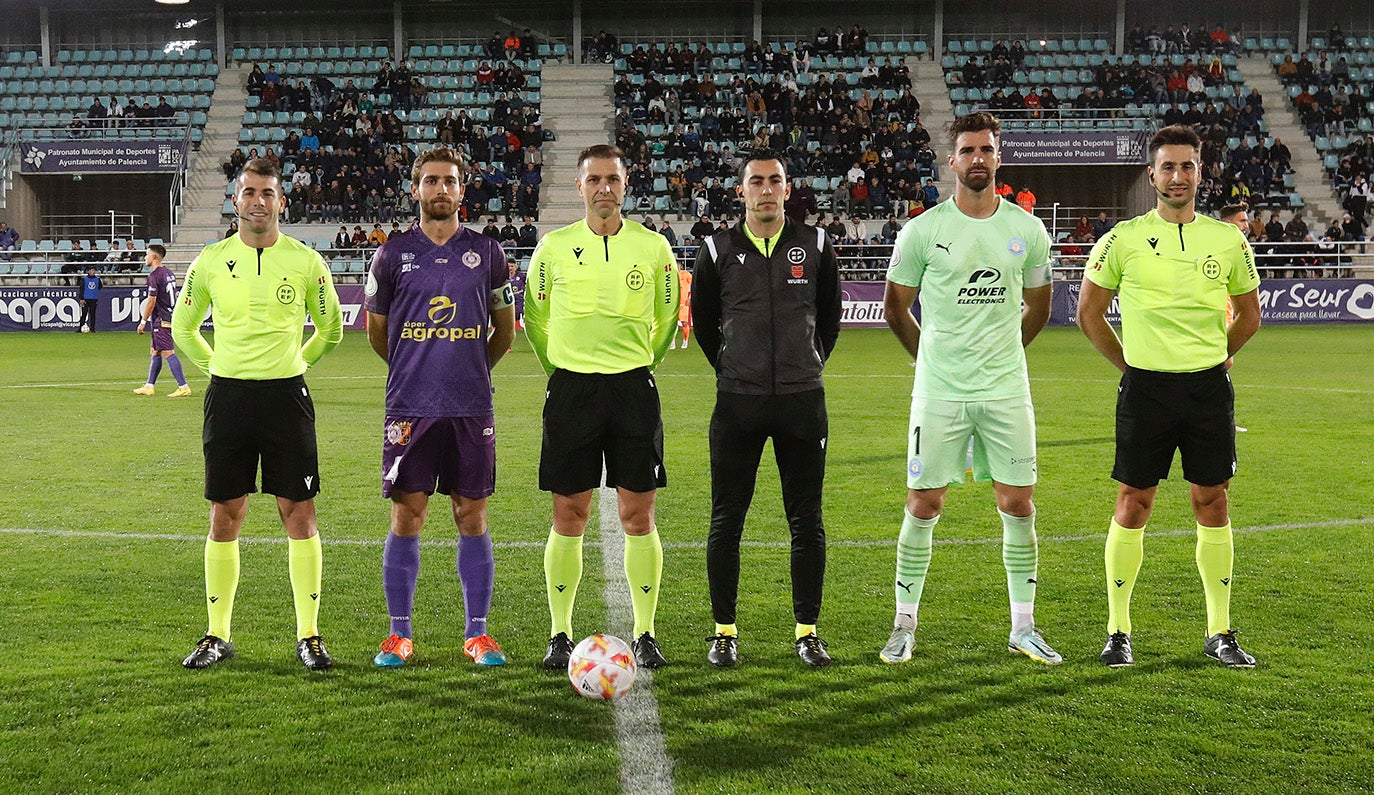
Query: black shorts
(271, 420)
(590, 418)
(1157, 413)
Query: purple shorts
(450, 455)
(162, 336)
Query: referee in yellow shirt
(1173, 270)
(601, 306)
(259, 286)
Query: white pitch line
(444, 542)
(644, 763)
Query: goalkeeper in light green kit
(601, 306)
(972, 260)
(259, 286)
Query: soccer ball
(602, 667)
(85, 329)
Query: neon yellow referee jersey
(258, 300)
(601, 303)
(1172, 281)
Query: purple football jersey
(437, 300)
(162, 284)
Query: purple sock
(400, 569)
(154, 367)
(175, 363)
(476, 571)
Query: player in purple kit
(157, 314)
(440, 313)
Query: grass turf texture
(96, 625)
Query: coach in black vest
(766, 308)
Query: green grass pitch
(101, 595)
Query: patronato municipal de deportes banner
(101, 157)
(1074, 148)
(1282, 301)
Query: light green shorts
(1003, 433)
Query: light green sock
(913, 561)
(221, 583)
(1020, 558)
(562, 573)
(1125, 550)
(1214, 555)
(644, 570)
(306, 563)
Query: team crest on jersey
(634, 279)
(398, 433)
(796, 255)
(1017, 247)
(472, 259)
(408, 256)
(286, 294)
(1211, 268)
(914, 467)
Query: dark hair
(761, 155)
(602, 151)
(158, 249)
(262, 167)
(439, 154)
(977, 121)
(1174, 135)
(1231, 209)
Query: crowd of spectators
(348, 160)
(876, 142)
(1210, 38)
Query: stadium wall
(1282, 301)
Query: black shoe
(1223, 648)
(208, 651)
(1117, 652)
(724, 650)
(560, 649)
(647, 653)
(811, 650)
(312, 653)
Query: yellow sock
(727, 629)
(306, 562)
(805, 629)
(221, 583)
(1214, 555)
(1125, 551)
(562, 573)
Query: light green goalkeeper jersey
(1172, 281)
(970, 273)
(601, 303)
(258, 299)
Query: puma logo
(945, 247)
(905, 586)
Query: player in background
(600, 313)
(684, 311)
(973, 261)
(157, 313)
(768, 297)
(259, 286)
(441, 315)
(1239, 216)
(1172, 269)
